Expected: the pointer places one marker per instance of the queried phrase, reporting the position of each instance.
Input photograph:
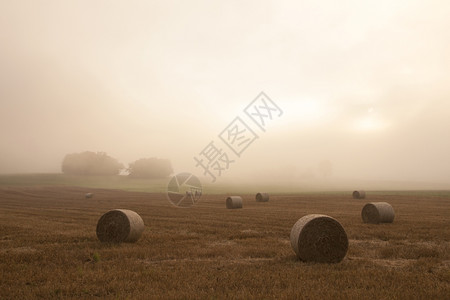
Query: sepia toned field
(49, 249)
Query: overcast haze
(363, 84)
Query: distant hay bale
(359, 194)
(377, 212)
(88, 195)
(120, 225)
(262, 197)
(319, 238)
(234, 202)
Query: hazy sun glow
(370, 123)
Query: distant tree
(325, 168)
(90, 163)
(150, 168)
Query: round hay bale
(120, 225)
(88, 195)
(262, 197)
(377, 212)
(359, 194)
(234, 202)
(319, 238)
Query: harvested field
(49, 248)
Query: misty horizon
(363, 86)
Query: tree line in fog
(100, 163)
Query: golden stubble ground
(49, 249)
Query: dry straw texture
(120, 225)
(234, 202)
(359, 194)
(377, 212)
(262, 197)
(319, 238)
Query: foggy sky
(362, 84)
